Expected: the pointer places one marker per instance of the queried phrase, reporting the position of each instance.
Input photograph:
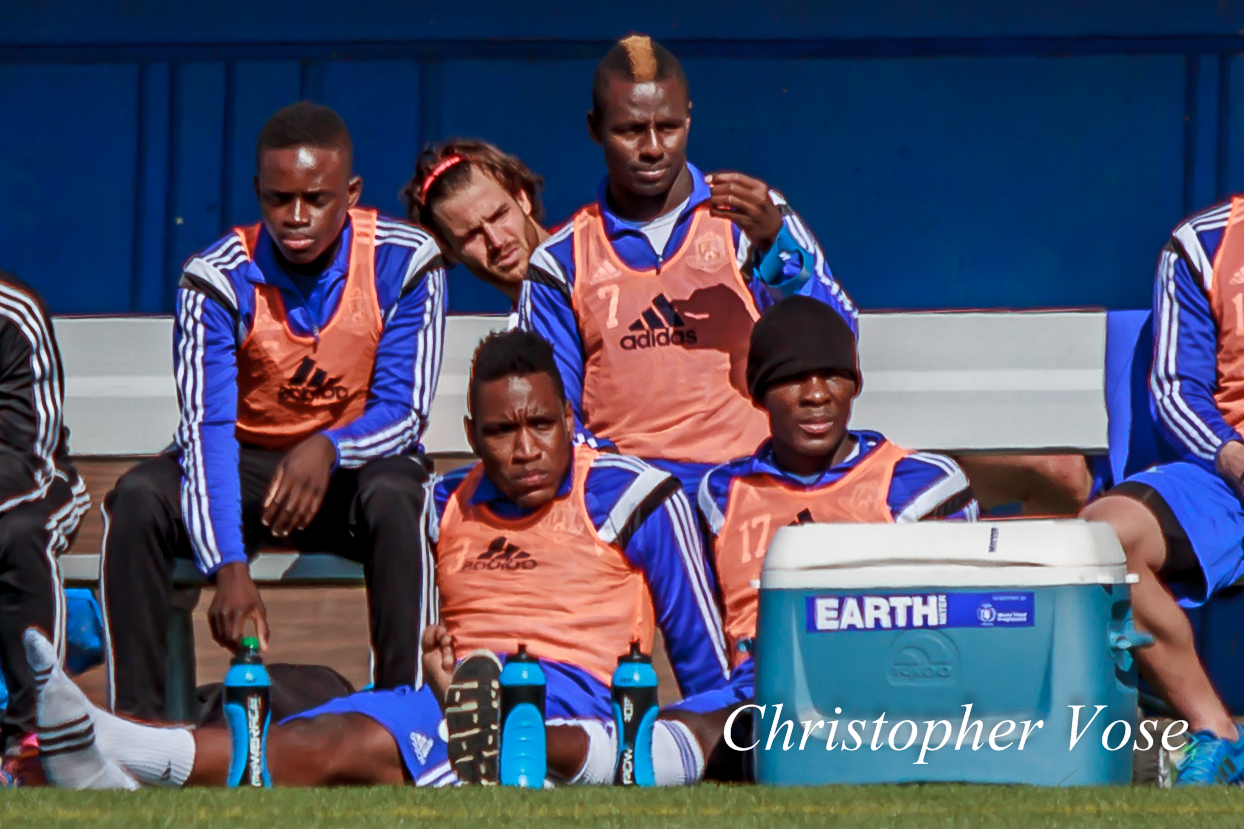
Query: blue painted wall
(948, 155)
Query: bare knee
(1137, 528)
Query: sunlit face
(808, 416)
(305, 194)
(489, 230)
(643, 129)
(522, 430)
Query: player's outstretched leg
(1215, 753)
(89, 748)
(585, 751)
(67, 739)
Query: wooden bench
(954, 382)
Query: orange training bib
(666, 350)
(547, 581)
(1226, 299)
(290, 386)
(760, 505)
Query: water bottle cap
(250, 643)
(521, 654)
(634, 655)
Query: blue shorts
(740, 689)
(1211, 516)
(414, 720)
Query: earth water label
(904, 611)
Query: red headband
(436, 173)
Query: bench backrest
(941, 381)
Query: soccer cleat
(22, 766)
(1209, 760)
(473, 718)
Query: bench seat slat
(269, 569)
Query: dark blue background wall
(972, 154)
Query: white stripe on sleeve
(46, 389)
(938, 492)
(429, 346)
(1164, 382)
(643, 485)
(708, 506)
(195, 504)
(679, 509)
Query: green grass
(717, 806)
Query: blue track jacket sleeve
(670, 551)
(1182, 379)
(544, 307)
(408, 364)
(206, 372)
(651, 520)
(802, 270)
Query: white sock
(602, 752)
(70, 757)
(156, 756)
(676, 756)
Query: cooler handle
(1125, 638)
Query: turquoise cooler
(1019, 620)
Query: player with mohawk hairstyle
(657, 283)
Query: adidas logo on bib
(658, 325)
(311, 384)
(501, 555)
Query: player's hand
(237, 602)
(298, 487)
(1231, 464)
(438, 659)
(745, 201)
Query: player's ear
(524, 202)
(568, 413)
(354, 191)
(469, 426)
(255, 181)
(593, 126)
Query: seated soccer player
(572, 553)
(41, 496)
(803, 370)
(1182, 523)
(656, 284)
(307, 349)
(483, 205)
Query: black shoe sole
(473, 719)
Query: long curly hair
(509, 171)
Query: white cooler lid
(1041, 553)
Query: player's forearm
(386, 428)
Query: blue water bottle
(248, 708)
(523, 760)
(635, 708)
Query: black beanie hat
(797, 335)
